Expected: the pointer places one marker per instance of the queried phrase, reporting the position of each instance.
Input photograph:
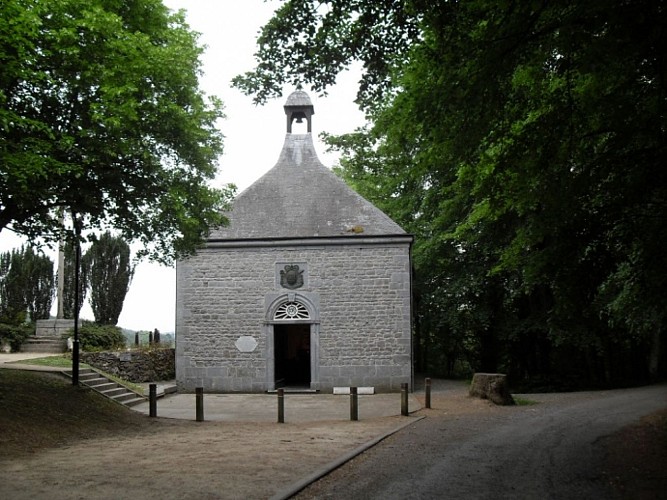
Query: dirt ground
(80, 446)
(636, 459)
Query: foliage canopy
(524, 144)
(101, 115)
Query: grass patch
(59, 361)
(524, 402)
(41, 410)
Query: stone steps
(108, 388)
(47, 345)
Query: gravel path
(471, 449)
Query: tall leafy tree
(101, 115)
(41, 285)
(26, 286)
(13, 305)
(109, 269)
(523, 143)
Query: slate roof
(301, 198)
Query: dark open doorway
(292, 355)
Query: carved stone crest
(291, 277)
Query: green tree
(101, 115)
(109, 270)
(39, 294)
(26, 286)
(13, 304)
(523, 143)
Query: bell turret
(299, 107)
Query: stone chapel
(307, 288)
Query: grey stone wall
(136, 366)
(361, 332)
(53, 327)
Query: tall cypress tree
(26, 286)
(40, 284)
(12, 301)
(109, 270)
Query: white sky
(253, 135)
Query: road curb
(296, 487)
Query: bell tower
(298, 107)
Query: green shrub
(93, 337)
(15, 335)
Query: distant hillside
(130, 337)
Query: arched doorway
(292, 344)
(292, 355)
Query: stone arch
(307, 302)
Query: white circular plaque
(246, 343)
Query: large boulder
(491, 386)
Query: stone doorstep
(360, 390)
(294, 390)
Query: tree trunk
(654, 356)
(491, 386)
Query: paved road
(552, 450)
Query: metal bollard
(427, 397)
(199, 403)
(354, 404)
(152, 400)
(281, 406)
(404, 400)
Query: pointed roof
(301, 198)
